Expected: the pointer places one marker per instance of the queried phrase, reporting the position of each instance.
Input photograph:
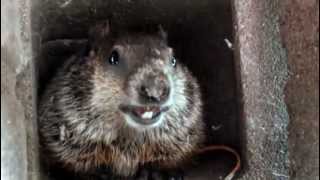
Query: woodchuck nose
(126, 103)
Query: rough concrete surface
(262, 75)
(300, 33)
(19, 150)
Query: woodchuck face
(139, 79)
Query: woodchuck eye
(173, 61)
(114, 58)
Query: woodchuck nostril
(143, 91)
(154, 94)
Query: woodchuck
(126, 103)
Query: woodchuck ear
(98, 33)
(163, 35)
(100, 30)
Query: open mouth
(145, 115)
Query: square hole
(200, 32)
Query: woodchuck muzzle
(126, 103)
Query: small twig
(216, 128)
(229, 44)
(66, 3)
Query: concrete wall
(19, 144)
(300, 34)
(262, 69)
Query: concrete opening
(198, 31)
(201, 32)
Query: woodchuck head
(139, 79)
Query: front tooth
(147, 115)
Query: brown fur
(82, 127)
